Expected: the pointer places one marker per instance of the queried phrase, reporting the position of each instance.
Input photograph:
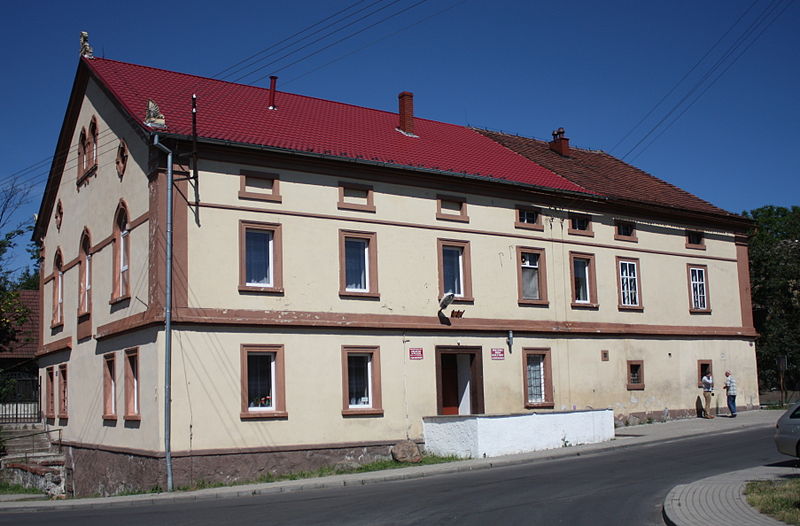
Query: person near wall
(730, 389)
(708, 392)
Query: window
(356, 197)
(62, 390)
(358, 274)
(699, 301)
(91, 152)
(132, 408)
(109, 388)
(451, 208)
(260, 186)
(263, 393)
(629, 285)
(538, 379)
(528, 218)
(58, 292)
(50, 409)
(695, 239)
(260, 268)
(635, 375)
(361, 381)
(584, 286)
(454, 269)
(85, 276)
(121, 284)
(83, 147)
(625, 231)
(531, 276)
(580, 224)
(121, 162)
(59, 217)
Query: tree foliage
(775, 279)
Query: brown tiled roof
(602, 173)
(28, 338)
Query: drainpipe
(168, 321)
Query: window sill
(63, 416)
(50, 416)
(261, 197)
(635, 387)
(110, 417)
(261, 415)
(354, 294)
(132, 418)
(632, 308)
(695, 247)
(262, 290)
(355, 206)
(464, 300)
(540, 303)
(88, 173)
(530, 226)
(542, 405)
(362, 412)
(456, 218)
(629, 239)
(585, 233)
(84, 315)
(699, 311)
(119, 299)
(590, 306)
(57, 325)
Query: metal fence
(19, 398)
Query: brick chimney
(406, 101)
(273, 83)
(560, 144)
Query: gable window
(358, 275)
(629, 284)
(698, 288)
(695, 239)
(85, 276)
(451, 208)
(109, 388)
(92, 145)
(584, 286)
(354, 196)
(58, 292)
(50, 409)
(59, 217)
(261, 186)
(625, 231)
(121, 162)
(121, 284)
(635, 375)
(260, 267)
(454, 269)
(531, 276)
(132, 406)
(537, 378)
(62, 390)
(580, 224)
(83, 147)
(361, 380)
(263, 393)
(528, 218)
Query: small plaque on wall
(415, 353)
(498, 353)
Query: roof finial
(86, 49)
(153, 116)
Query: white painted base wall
(491, 436)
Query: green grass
(15, 489)
(780, 499)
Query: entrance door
(459, 381)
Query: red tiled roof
(240, 114)
(605, 174)
(27, 339)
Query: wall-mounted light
(510, 340)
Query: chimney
(560, 144)
(406, 100)
(273, 82)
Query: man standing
(708, 392)
(730, 388)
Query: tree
(775, 279)
(12, 312)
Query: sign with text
(415, 353)
(498, 353)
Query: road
(623, 486)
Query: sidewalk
(682, 501)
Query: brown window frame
(277, 257)
(278, 388)
(466, 268)
(133, 388)
(620, 304)
(372, 264)
(121, 283)
(620, 237)
(700, 364)
(588, 232)
(547, 371)
(59, 215)
(628, 373)
(343, 204)
(63, 391)
(542, 277)
(518, 223)
(692, 308)
(57, 317)
(461, 216)
(49, 393)
(109, 387)
(376, 399)
(121, 161)
(593, 302)
(695, 246)
(85, 275)
(274, 196)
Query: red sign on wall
(415, 353)
(498, 354)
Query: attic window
(451, 208)
(581, 225)
(354, 196)
(261, 186)
(625, 231)
(695, 239)
(59, 217)
(122, 158)
(529, 218)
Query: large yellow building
(315, 244)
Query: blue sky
(525, 67)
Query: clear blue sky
(525, 67)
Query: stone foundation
(634, 419)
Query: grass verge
(15, 489)
(780, 499)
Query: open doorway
(459, 381)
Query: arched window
(85, 275)
(82, 153)
(92, 151)
(121, 255)
(58, 291)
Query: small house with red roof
(339, 273)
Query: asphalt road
(624, 486)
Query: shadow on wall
(698, 406)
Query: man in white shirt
(730, 389)
(708, 392)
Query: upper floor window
(358, 275)
(698, 288)
(92, 144)
(451, 208)
(354, 196)
(263, 393)
(529, 218)
(262, 186)
(121, 162)
(531, 276)
(59, 217)
(58, 292)
(454, 269)
(83, 153)
(625, 231)
(260, 267)
(85, 276)
(695, 239)
(121, 254)
(580, 224)
(584, 285)
(629, 283)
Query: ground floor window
(538, 379)
(263, 393)
(132, 401)
(635, 375)
(361, 380)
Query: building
(313, 244)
